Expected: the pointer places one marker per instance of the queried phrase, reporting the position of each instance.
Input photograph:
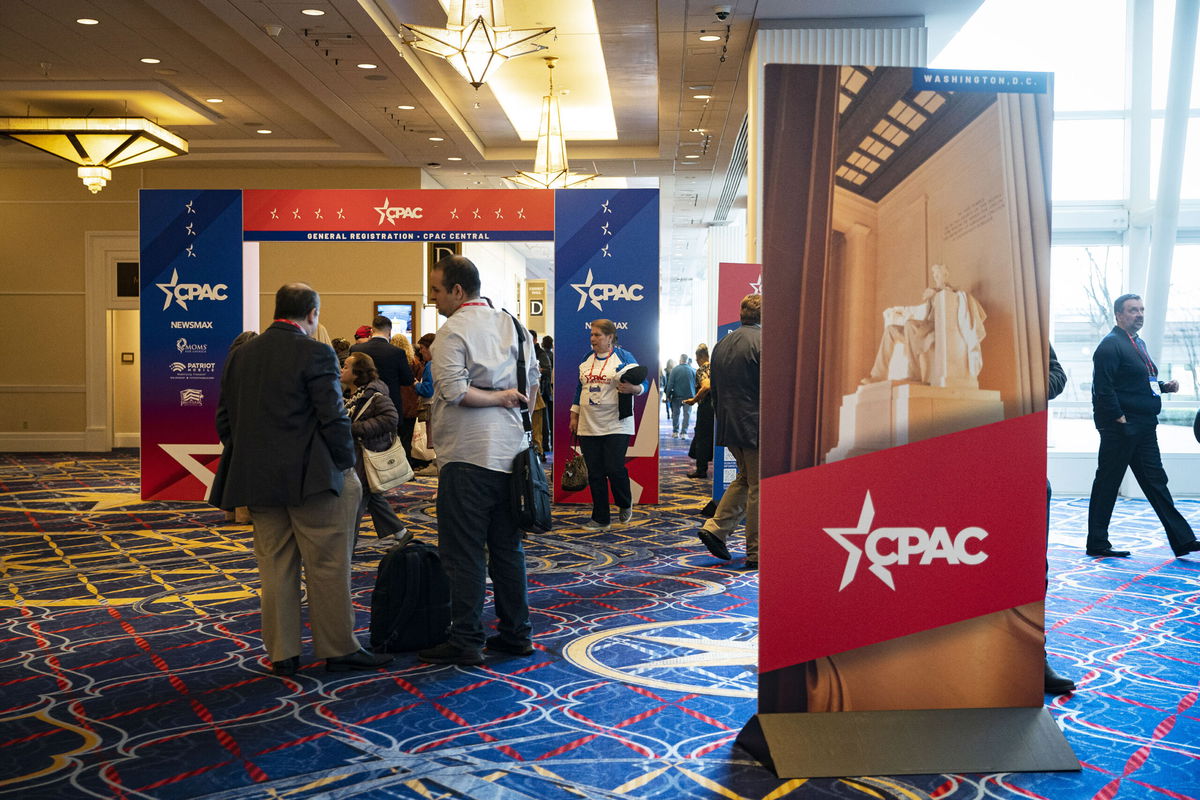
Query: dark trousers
(605, 459)
(1132, 445)
(477, 534)
(405, 432)
(383, 516)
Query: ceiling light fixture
(406, 108)
(87, 21)
(263, 131)
(367, 66)
(710, 37)
(151, 61)
(214, 100)
(702, 97)
(550, 167)
(454, 158)
(476, 41)
(96, 144)
(692, 156)
(436, 139)
(312, 12)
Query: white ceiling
(303, 84)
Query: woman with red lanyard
(602, 417)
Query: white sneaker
(592, 525)
(625, 514)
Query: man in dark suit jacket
(390, 361)
(1125, 405)
(734, 386)
(289, 456)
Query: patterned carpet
(131, 664)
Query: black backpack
(410, 605)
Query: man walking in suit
(289, 456)
(390, 361)
(478, 431)
(1126, 401)
(733, 384)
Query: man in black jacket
(1126, 400)
(289, 456)
(390, 361)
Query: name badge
(1154, 387)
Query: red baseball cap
(363, 332)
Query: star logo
(190, 252)
(756, 286)
(865, 518)
(317, 214)
(604, 252)
(475, 214)
(584, 289)
(604, 209)
(341, 214)
(604, 229)
(169, 290)
(274, 213)
(498, 214)
(191, 229)
(188, 206)
(454, 213)
(295, 213)
(520, 213)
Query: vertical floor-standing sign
(903, 515)
(191, 309)
(606, 267)
(734, 281)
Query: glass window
(1190, 186)
(1164, 26)
(1089, 159)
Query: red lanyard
(1150, 368)
(473, 303)
(289, 322)
(603, 363)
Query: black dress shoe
(714, 545)
(359, 659)
(286, 667)
(502, 645)
(1191, 547)
(696, 475)
(447, 653)
(1109, 552)
(1057, 684)
(750, 564)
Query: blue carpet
(131, 663)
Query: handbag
(575, 473)
(420, 448)
(385, 469)
(529, 487)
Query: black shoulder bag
(530, 490)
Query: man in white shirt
(477, 426)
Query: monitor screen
(401, 315)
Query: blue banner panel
(191, 309)
(606, 267)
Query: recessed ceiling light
(406, 108)
(436, 139)
(710, 37)
(151, 61)
(263, 131)
(691, 156)
(367, 66)
(700, 87)
(87, 21)
(702, 96)
(453, 158)
(214, 100)
(313, 12)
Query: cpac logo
(885, 547)
(595, 292)
(183, 293)
(393, 213)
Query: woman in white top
(602, 416)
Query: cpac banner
(903, 507)
(191, 309)
(606, 267)
(734, 281)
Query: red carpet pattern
(131, 663)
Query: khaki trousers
(739, 502)
(318, 535)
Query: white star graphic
(188, 206)
(475, 214)
(191, 229)
(520, 213)
(454, 213)
(498, 214)
(295, 213)
(756, 286)
(341, 215)
(604, 209)
(169, 291)
(865, 518)
(584, 295)
(274, 215)
(191, 253)
(317, 214)
(605, 253)
(605, 229)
